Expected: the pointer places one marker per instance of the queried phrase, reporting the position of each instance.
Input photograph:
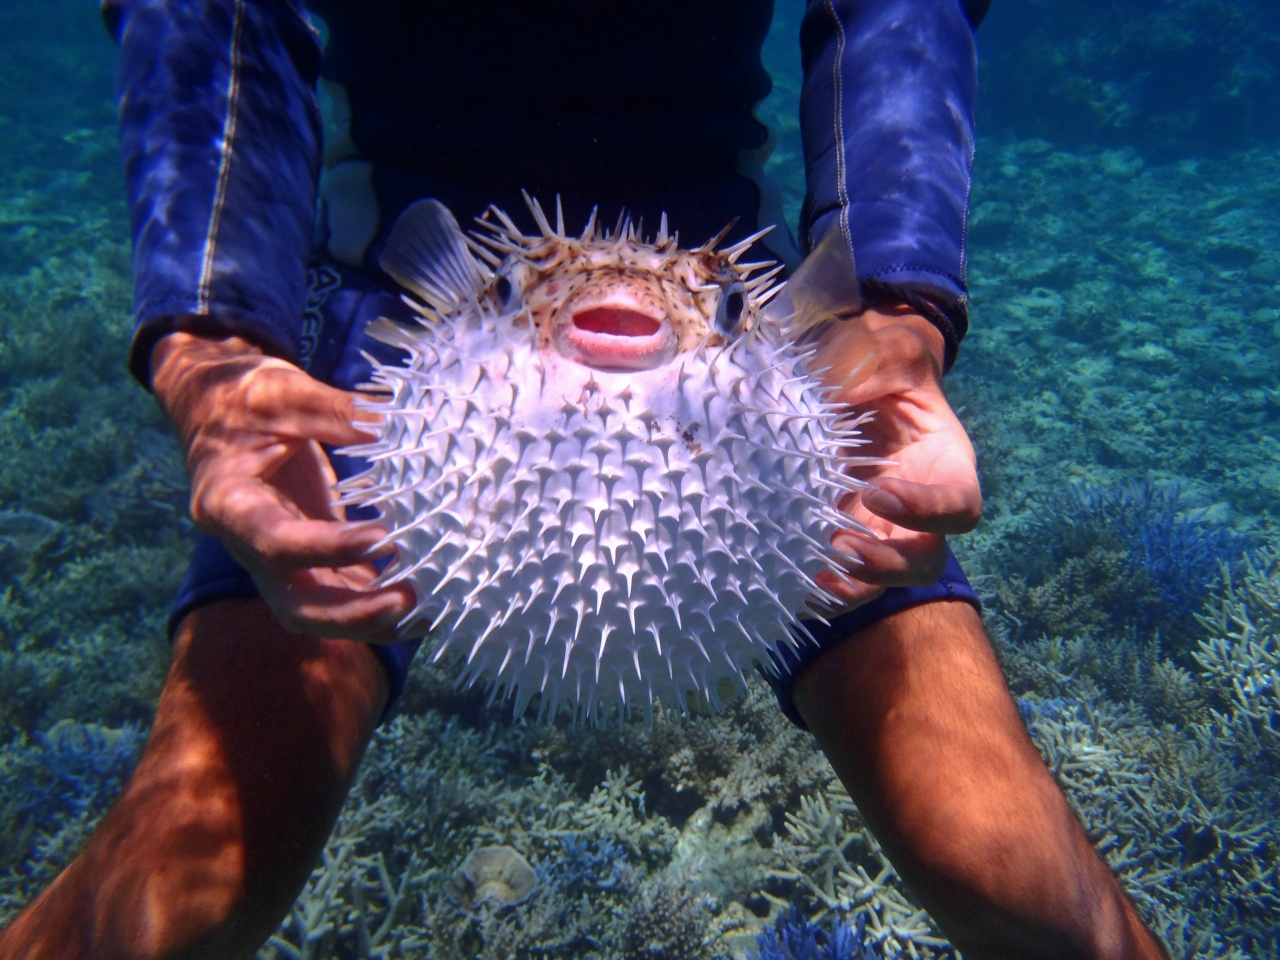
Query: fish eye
(729, 312)
(505, 291)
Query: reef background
(1119, 381)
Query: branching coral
(1137, 560)
(829, 858)
(1241, 659)
(53, 790)
(794, 938)
(671, 920)
(1169, 809)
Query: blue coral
(794, 937)
(72, 770)
(1157, 527)
(1033, 708)
(1182, 555)
(587, 864)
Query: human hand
(931, 488)
(251, 428)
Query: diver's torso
(610, 102)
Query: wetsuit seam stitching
(837, 84)
(224, 165)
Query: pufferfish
(609, 475)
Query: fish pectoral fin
(824, 286)
(427, 254)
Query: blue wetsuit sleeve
(887, 120)
(221, 135)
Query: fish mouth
(617, 336)
(616, 322)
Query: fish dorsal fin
(823, 287)
(427, 253)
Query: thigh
(917, 720)
(257, 738)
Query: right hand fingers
(337, 603)
(269, 537)
(313, 574)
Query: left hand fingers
(950, 507)
(851, 594)
(905, 560)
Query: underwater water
(1121, 382)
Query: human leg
(257, 738)
(916, 718)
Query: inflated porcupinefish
(608, 475)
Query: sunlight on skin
(257, 737)
(251, 428)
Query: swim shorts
(342, 302)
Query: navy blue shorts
(342, 303)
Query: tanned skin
(263, 720)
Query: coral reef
(1183, 804)
(56, 788)
(830, 860)
(1119, 382)
(795, 938)
(1138, 560)
(1193, 75)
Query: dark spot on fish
(687, 436)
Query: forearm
(220, 132)
(887, 119)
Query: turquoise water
(1119, 381)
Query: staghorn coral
(671, 920)
(829, 859)
(794, 938)
(1135, 560)
(53, 790)
(353, 904)
(749, 756)
(536, 819)
(1241, 659)
(1184, 812)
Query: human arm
(251, 428)
(929, 489)
(221, 139)
(887, 119)
(887, 113)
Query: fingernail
(882, 502)
(848, 546)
